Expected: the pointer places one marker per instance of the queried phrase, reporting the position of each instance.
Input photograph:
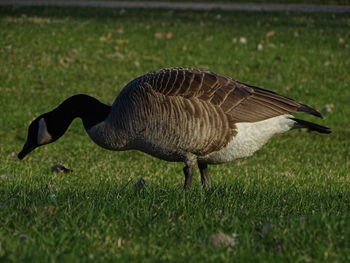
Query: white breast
(250, 138)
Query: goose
(179, 115)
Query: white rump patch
(43, 135)
(251, 136)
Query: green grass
(312, 2)
(298, 183)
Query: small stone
(6, 176)
(120, 242)
(58, 168)
(13, 154)
(242, 40)
(223, 240)
(169, 35)
(53, 196)
(259, 47)
(140, 184)
(22, 237)
(328, 108)
(158, 35)
(270, 34)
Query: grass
(312, 2)
(287, 203)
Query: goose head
(40, 132)
(50, 126)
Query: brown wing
(240, 101)
(196, 111)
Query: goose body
(181, 115)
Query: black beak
(27, 148)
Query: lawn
(311, 2)
(290, 202)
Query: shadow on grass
(253, 199)
(226, 17)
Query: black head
(38, 134)
(50, 126)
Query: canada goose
(181, 115)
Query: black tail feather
(311, 126)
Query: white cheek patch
(43, 135)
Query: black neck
(89, 109)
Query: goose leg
(188, 171)
(203, 168)
(190, 163)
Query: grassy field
(290, 202)
(313, 2)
